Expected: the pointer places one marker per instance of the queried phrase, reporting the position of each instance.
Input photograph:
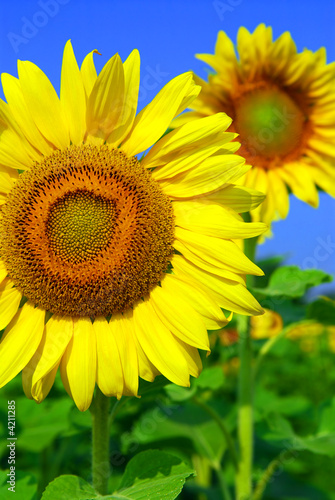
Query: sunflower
(113, 268)
(283, 107)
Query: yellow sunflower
(113, 268)
(283, 107)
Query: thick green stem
(245, 395)
(100, 442)
(245, 413)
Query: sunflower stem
(245, 412)
(100, 442)
(245, 394)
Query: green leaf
(69, 488)
(278, 428)
(327, 420)
(40, 424)
(322, 311)
(25, 486)
(187, 422)
(152, 387)
(322, 445)
(153, 474)
(267, 401)
(177, 393)
(150, 474)
(292, 282)
(210, 378)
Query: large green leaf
(153, 474)
(292, 282)
(150, 474)
(69, 488)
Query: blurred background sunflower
(282, 103)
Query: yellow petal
(213, 220)
(57, 334)
(42, 388)
(147, 370)
(151, 123)
(223, 270)
(324, 179)
(226, 293)
(20, 341)
(239, 198)
(15, 151)
(225, 56)
(3, 271)
(109, 369)
(210, 175)
(43, 104)
(72, 96)
(10, 299)
(159, 345)
(198, 296)
(217, 252)
(78, 364)
(191, 143)
(7, 181)
(106, 101)
(88, 72)
(132, 82)
(122, 327)
(192, 358)
(188, 116)
(279, 191)
(179, 316)
(280, 54)
(302, 186)
(14, 96)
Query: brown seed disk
(86, 232)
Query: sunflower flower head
(282, 103)
(113, 268)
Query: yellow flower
(113, 268)
(266, 326)
(307, 333)
(283, 107)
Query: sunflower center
(269, 122)
(86, 232)
(79, 225)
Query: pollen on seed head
(86, 232)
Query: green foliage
(322, 311)
(292, 282)
(25, 486)
(150, 474)
(294, 420)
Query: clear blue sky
(168, 34)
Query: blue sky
(168, 34)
